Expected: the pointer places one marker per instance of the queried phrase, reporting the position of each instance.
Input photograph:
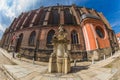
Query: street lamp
(36, 49)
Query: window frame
(100, 32)
(32, 37)
(74, 37)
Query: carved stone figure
(60, 58)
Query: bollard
(104, 57)
(13, 55)
(33, 61)
(111, 53)
(74, 63)
(93, 62)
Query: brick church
(90, 34)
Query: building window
(27, 20)
(69, 19)
(22, 20)
(7, 39)
(100, 32)
(54, 17)
(42, 17)
(74, 37)
(50, 36)
(32, 38)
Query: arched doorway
(18, 43)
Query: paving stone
(103, 76)
(70, 75)
(37, 78)
(51, 75)
(19, 75)
(94, 72)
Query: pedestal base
(52, 65)
(59, 65)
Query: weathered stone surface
(60, 59)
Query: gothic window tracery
(74, 37)
(100, 32)
(50, 36)
(69, 18)
(32, 38)
(54, 17)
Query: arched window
(54, 17)
(50, 36)
(100, 32)
(32, 38)
(69, 19)
(7, 40)
(74, 37)
(42, 18)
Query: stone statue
(60, 58)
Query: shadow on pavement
(75, 69)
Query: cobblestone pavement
(82, 71)
(116, 65)
(116, 76)
(3, 60)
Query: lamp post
(13, 39)
(36, 49)
(13, 55)
(34, 57)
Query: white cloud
(9, 9)
(2, 28)
(13, 9)
(114, 24)
(16, 8)
(69, 2)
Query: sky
(9, 9)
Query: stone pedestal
(59, 65)
(59, 61)
(52, 65)
(67, 66)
